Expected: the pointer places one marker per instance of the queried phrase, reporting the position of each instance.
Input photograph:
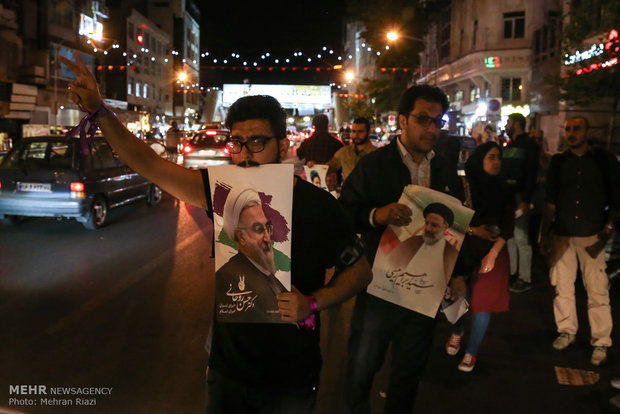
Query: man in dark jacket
(371, 195)
(320, 147)
(520, 167)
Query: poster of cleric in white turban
(414, 263)
(252, 211)
(317, 174)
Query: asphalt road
(126, 307)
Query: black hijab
(489, 193)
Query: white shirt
(420, 173)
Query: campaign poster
(316, 175)
(414, 263)
(252, 216)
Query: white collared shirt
(420, 173)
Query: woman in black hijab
(485, 245)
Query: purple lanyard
(87, 135)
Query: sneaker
(615, 401)
(519, 286)
(563, 341)
(454, 344)
(615, 383)
(467, 364)
(599, 355)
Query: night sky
(276, 27)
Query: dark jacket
(320, 147)
(379, 179)
(520, 166)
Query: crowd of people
(274, 368)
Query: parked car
(50, 177)
(207, 147)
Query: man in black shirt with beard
(583, 200)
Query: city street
(128, 308)
(125, 307)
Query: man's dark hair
(320, 122)
(258, 107)
(362, 120)
(426, 92)
(585, 120)
(518, 118)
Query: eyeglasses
(255, 143)
(259, 228)
(426, 121)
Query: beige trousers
(596, 283)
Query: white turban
(237, 200)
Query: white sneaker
(615, 383)
(563, 341)
(599, 355)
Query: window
(474, 93)
(130, 87)
(145, 94)
(511, 89)
(130, 30)
(138, 89)
(61, 12)
(514, 25)
(444, 33)
(458, 95)
(102, 156)
(474, 35)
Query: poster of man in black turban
(414, 263)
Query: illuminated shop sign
(492, 62)
(580, 56)
(90, 28)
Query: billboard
(289, 96)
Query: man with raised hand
(255, 367)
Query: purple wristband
(310, 322)
(314, 306)
(87, 135)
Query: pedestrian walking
(583, 200)
(371, 194)
(485, 247)
(270, 368)
(520, 167)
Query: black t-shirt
(582, 188)
(284, 355)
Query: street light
(393, 36)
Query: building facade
(480, 52)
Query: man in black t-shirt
(256, 367)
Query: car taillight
(187, 149)
(77, 190)
(226, 151)
(77, 187)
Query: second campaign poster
(414, 263)
(252, 225)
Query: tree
(597, 79)
(410, 19)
